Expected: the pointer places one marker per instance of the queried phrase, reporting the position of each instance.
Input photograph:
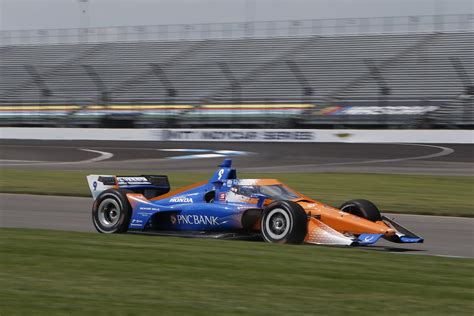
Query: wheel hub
(278, 224)
(108, 212)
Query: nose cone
(345, 222)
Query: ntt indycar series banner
(317, 136)
(235, 135)
(244, 135)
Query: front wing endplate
(321, 234)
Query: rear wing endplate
(99, 183)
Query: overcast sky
(38, 14)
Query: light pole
(83, 19)
(438, 18)
(250, 9)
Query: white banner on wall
(266, 135)
(244, 135)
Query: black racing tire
(362, 208)
(284, 222)
(111, 211)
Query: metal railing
(342, 26)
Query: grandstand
(245, 81)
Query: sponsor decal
(144, 214)
(220, 174)
(132, 180)
(329, 110)
(222, 196)
(287, 135)
(386, 110)
(183, 134)
(173, 219)
(137, 222)
(344, 135)
(197, 220)
(94, 184)
(146, 208)
(229, 135)
(235, 135)
(368, 239)
(229, 183)
(181, 199)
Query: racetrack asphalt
(444, 236)
(434, 159)
(447, 236)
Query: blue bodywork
(189, 210)
(368, 239)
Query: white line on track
(444, 152)
(204, 153)
(106, 155)
(103, 155)
(191, 150)
(20, 161)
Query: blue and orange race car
(228, 207)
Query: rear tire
(111, 212)
(284, 222)
(362, 208)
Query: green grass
(438, 195)
(46, 272)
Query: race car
(228, 207)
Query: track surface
(272, 157)
(446, 236)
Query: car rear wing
(99, 183)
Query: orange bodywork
(338, 220)
(343, 222)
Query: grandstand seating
(416, 66)
(458, 113)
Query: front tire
(284, 222)
(362, 208)
(111, 212)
